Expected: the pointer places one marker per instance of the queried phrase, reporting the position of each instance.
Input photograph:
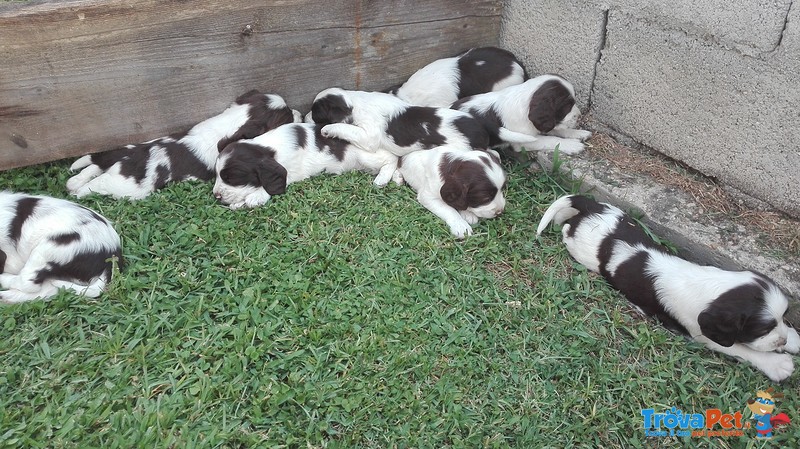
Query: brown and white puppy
(249, 172)
(135, 171)
(49, 243)
(376, 120)
(475, 71)
(738, 313)
(460, 187)
(538, 114)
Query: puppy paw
(7, 280)
(397, 177)
(582, 134)
(776, 366)
(256, 199)
(792, 342)
(80, 163)
(570, 146)
(77, 182)
(469, 217)
(327, 131)
(16, 296)
(382, 179)
(460, 230)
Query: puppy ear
(721, 326)
(272, 176)
(542, 114)
(549, 105)
(320, 112)
(249, 97)
(244, 132)
(330, 109)
(261, 120)
(454, 193)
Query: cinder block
(555, 36)
(787, 54)
(727, 115)
(752, 27)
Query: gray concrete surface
(537, 32)
(713, 83)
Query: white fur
(421, 170)
(35, 250)
(371, 113)
(301, 163)
(201, 140)
(436, 84)
(511, 105)
(684, 289)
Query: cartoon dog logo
(763, 406)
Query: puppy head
(244, 169)
(265, 112)
(331, 106)
(552, 104)
(751, 314)
(473, 181)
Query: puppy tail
(82, 162)
(297, 116)
(560, 211)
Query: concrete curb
(673, 215)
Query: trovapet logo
(674, 422)
(763, 408)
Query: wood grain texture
(81, 76)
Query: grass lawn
(341, 315)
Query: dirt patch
(779, 232)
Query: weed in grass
(341, 315)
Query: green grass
(345, 316)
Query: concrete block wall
(712, 83)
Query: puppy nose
(782, 341)
(218, 196)
(498, 211)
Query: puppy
(537, 114)
(373, 120)
(457, 186)
(478, 70)
(135, 171)
(249, 172)
(738, 313)
(48, 243)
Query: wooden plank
(80, 76)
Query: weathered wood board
(81, 76)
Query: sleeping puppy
(249, 172)
(135, 171)
(478, 70)
(537, 114)
(48, 243)
(738, 313)
(376, 120)
(460, 187)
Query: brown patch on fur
(465, 183)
